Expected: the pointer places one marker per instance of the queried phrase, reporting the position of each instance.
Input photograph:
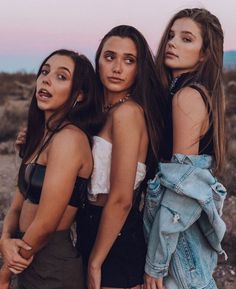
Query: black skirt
(124, 265)
(55, 266)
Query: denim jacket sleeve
(172, 207)
(176, 213)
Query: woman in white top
(110, 225)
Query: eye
(61, 76)
(187, 39)
(171, 35)
(129, 60)
(44, 71)
(109, 57)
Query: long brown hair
(208, 73)
(87, 115)
(146, 89)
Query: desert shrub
(229, 75)
(9, 82)
(14, 115)
(230, 166)
(16, 86)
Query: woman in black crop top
(189, 63)
(56, 166)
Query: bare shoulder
(189, 101)
(70, 138)
(129, 110)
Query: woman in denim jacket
(182, 217)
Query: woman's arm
(64, 161)
(127, 127)
(5, 277)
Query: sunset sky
(31, 29)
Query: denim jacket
(182, 221)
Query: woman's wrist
(94, 263)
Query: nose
(171, 42)
(117, 66)
(46, 79)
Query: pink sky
(33, 28)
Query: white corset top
(100, 179)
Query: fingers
(15, 271)
(18, 268)
(22, 244)
(20, 138)
(153, 283)
(20, 262)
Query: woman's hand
(94, 277)
(153, 283)
(10, 250)
(20, 138)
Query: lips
(44, 94)
(170, 54)
(115, 79)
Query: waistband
(57, 235)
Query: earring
(75, 104)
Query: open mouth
(44, 94)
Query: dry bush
(8, 83)
(16, 86)
(229, 175)
(14, 115)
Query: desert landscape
(15, 92)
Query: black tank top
(31, 178)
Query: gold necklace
(111, 105)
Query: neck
(115, 100)
(113, 97)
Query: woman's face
(184, 49)
(54, 83)
(118, 64)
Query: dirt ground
(225, 274)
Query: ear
(80, 97)
(203, 55)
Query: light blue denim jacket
(182, 221)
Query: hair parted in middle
(146, 90)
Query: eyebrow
(60, 67)
(189, 33)
(126, 54)
(185, 32)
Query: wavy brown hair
(208, 73)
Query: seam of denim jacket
(156, 271)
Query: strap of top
(46, 141)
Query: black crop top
(30, 182)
